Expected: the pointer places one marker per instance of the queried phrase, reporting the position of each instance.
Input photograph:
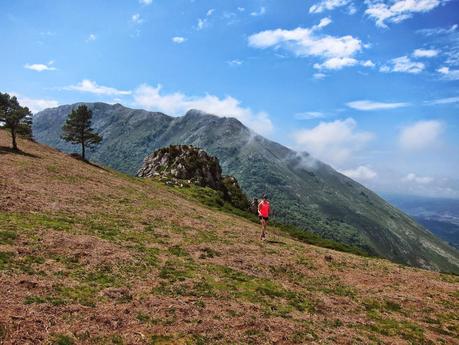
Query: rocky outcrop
(183, 165)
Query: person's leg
(262, 221)
(265, 223)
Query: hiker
(263, 215)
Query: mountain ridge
(304, 191)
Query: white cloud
(258, 13)
(327, 5)
(366, 105)
(453, 53)
(336, 63)
(443, 70)
(145, 2)
(446, 37)
(338, 52)
(319, 76)
(323, 23)
(35, 105)
(367, 63)
(92, 87)
(39, 67)
(450, 74)
(425, 53)
(136, 19)
(391, 181)
(421, 135)
(231, 18)
(177, 103)
(202, 23)
(438, 31)
(310, 115)
(91, 38)
(398, 10)
(210, 12)
(351, 9)
(241, 9)
(235, 62)
(178, 39)
(403, 64)
(412, 177)
(361, 173)
(332, 142)
(448, 100)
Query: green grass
(7, 237)
(9, 261)
(213, 199)
(381, 306)
(2, 332)
(329, 285)
(182, 277)
(5, 260)
(178, 251)
(409, 331)
(61, 295)
(61, 339)
(176, 270)
(103, 277)
(30, 222)
(265, 292)
(83, 294)
(29, 263)
(103, 340)
(161, 339)
(317, 240)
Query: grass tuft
(61, 339)
(7, 237)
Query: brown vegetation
(90, 256)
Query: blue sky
(370, 87)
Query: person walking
(264, 209)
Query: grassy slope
(91, 256)
(316, 198)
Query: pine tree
(77, 129)
(14, 117)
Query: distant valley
(441, 216)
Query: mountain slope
(304, 191)
(91, 256)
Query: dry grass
(90, 256)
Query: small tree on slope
(77, 129)
(15, 118)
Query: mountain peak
(233, 122)
(195, 113)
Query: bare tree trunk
(82, 150)
(13, 135)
